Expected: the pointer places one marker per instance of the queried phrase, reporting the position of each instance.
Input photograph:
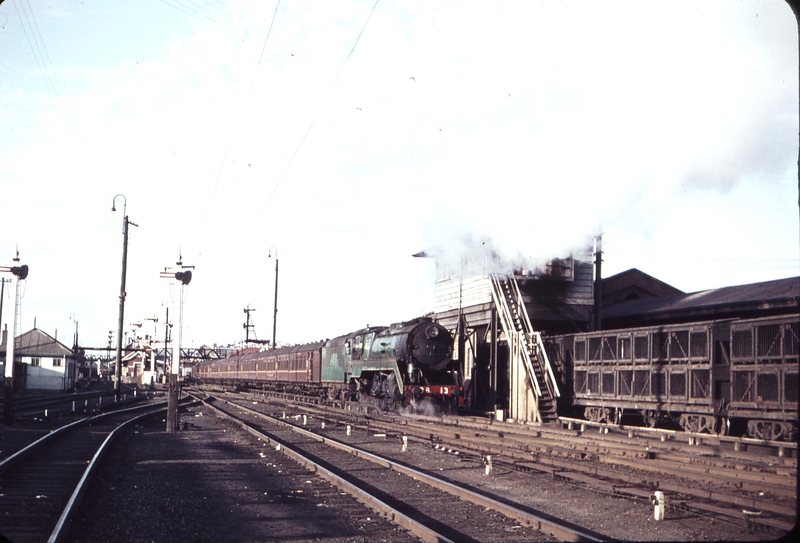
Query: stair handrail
(508, 326)
(543, 355)
(536, 337)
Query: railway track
(431, 508)
(37, 408)
(42, 484)
(701, 478)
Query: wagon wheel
(724, 426)
(709, 424)
(759, 429)
(650, 417)
(778, 431)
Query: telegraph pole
(125, 223)
(275, 311)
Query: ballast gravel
(212, 482)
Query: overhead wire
(300, 144)
(40, 54)
(247, 98)
(192, 9)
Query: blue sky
(355, 134)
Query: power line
(280, 180)
(247, 99)
(41, 56)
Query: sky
(340, 138)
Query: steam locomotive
(405, 365)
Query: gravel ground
(213, 482)
(615, 517)
(159, 487)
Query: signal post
(183, 278)
(18, 272)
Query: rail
(562, 531)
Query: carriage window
(790, 339)
(624, 347)
(679, 346)
(700, 384)
(580, 350)
(580, 382)
(595, 348)
(699, 344)
(641, 383)
(660, 344)
(743, 389)
(594, 384)
(768, 387)
(608, 383)
(768, 340)
(610, 348)
(640, 346)
(658, 384)
(790, 387)
(626, 383)
(742, 344)
(677, 384)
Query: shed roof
(637, 278)
(768, 297)
(35, 342)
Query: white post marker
(405, 444)
(658, 505)
(488, 467)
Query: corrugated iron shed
(744, 301)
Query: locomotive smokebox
(426, 344)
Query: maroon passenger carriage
(294, 369)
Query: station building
(41, 362)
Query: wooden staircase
(526, 344)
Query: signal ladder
(525, 342)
